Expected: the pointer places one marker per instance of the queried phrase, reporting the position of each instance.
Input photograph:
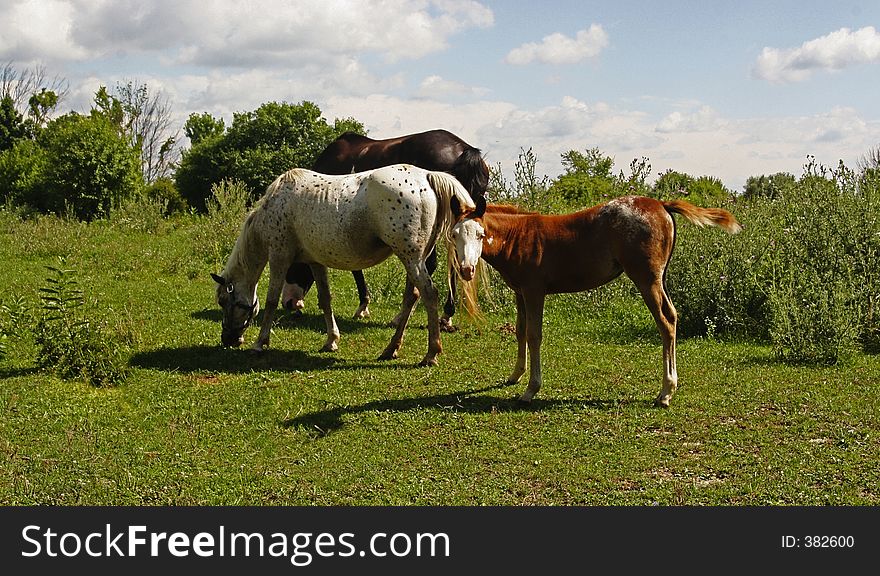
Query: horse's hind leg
(666, 319)
(410, 297)
(534, 312)
(363, 295)
(520, 367)
(324, 299)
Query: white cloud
(558, 48)
(435, 86)
(228, 33)
(701, 120)
(34, 30)
(833, 51)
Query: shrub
(90, 167)
(164, 191)
(803, 273)
(21, 172)
(226, 210)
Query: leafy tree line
(255, 149)
(85, 165)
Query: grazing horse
(540, 254)
(349, 222)
(433, 150)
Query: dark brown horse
(433, 150)
(539, 254)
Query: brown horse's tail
(704, 216)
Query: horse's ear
(480, 201)
(218, 279)
(455, 205)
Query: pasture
(197, 424)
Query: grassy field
(198, 424)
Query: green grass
(198, 424)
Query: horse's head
(466, 239)
(239, 305)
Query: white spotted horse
(348, 222)
(438, 150)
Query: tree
(201, 127)
(772, 187)
(145, 119)
(21, 172)
(255, 149)
(89, 167)
(703, 191)
(21, 86)
(12, 125)
(148, 119)
(588, 178)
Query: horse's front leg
(430, 298)
(324, 297)
(273, 294)
(534, 305)
(449, 304)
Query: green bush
(802, 274)
(165, 192)
(21, 173)
(90, 167)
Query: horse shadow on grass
(306, 320)
(196, 359)
(324, 422)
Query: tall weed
(71, 344)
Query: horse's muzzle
(292, 297)
(292, 304)
(233, 340)
(467, 272)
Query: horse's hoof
(388, 356)
(361, 314)
(661, 402)
(329, 347)
(428, 362)
(520, 403)
(448, 327)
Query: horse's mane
(507, 209)
(351, 136)
(241, 258)
(446, 186)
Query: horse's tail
(704, 216)
(472, 171)
(448, 187)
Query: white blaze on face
(467, 238)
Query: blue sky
(722, 89)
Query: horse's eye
(229, 288)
